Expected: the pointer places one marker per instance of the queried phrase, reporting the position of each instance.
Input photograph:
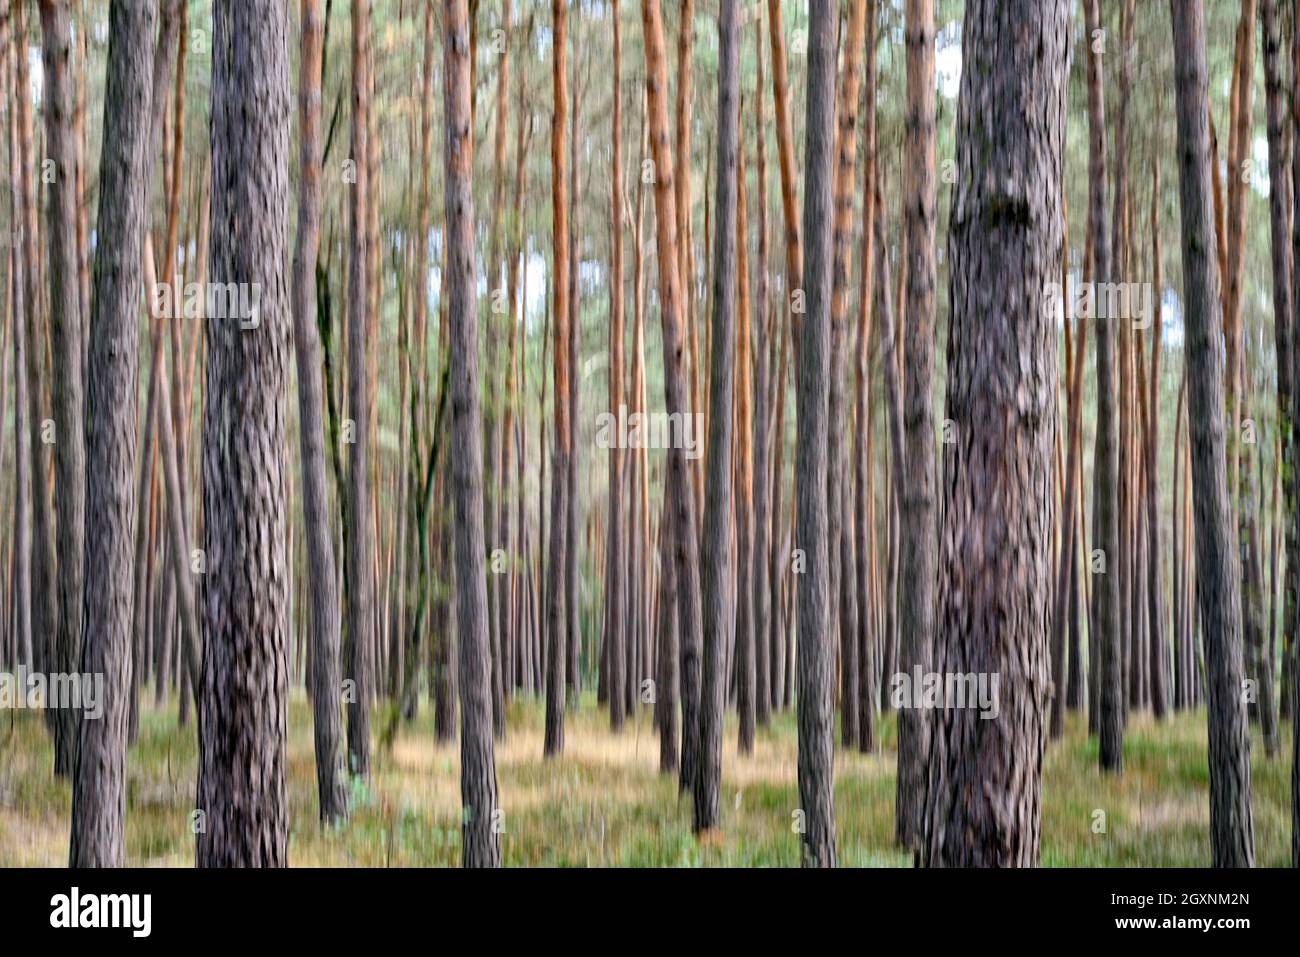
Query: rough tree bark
(1217, 588)
(243, 702)
(917, 496)
(358, 542)
(478, 782)
(716, 542)
(1106, 464)
(326, 676)
(984, 794)
(816, 652)
(679, 489)
(112, 376)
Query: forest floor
(604, 803)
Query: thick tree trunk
(1219, 601)
(99, 782)
(984, 795)
(243, 706)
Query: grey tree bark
(984, 792)
(716, 541)
(478, 783)
(112, 376)
(326, 677)
(1218, 597)
(816, 649)
(243, 696)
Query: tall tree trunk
(1155, 582)
(863, 491)
(1105, 465)
(44, 600)
(616, 630)
(65, 327)
(243, 706)
(843, 607)
(984, 794)
(359, 541)
(716, 543)
(679, 487)
(746, 670)
(478, 783)
(556, 597)
(762, 482)
(816, 655)
(326, 680)
(112, 375)
(917, 556)
(22, 574)
(1219, 601)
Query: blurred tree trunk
(326, 676)
(359, 548)
(66, 387)
(556, 627)
(716, 542)
(478, 786)
(917, 564)
(243, 698)
(1231, 827)
(816, 655)
(983, 802)
(112, 374)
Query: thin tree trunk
(816, 656)
(326, 675)
(917, 497)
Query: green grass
(604, 802)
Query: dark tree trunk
(1106, 466)
(917, 497)
(478, 781)
(616, 632)
(816, 652)
(1218, 598)
(716, 542)
(359, 541)
(65, 328)
(983, 801)
(99, 782)
(556, 590)
(679, 486)
(243, 706)
(326, 679)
